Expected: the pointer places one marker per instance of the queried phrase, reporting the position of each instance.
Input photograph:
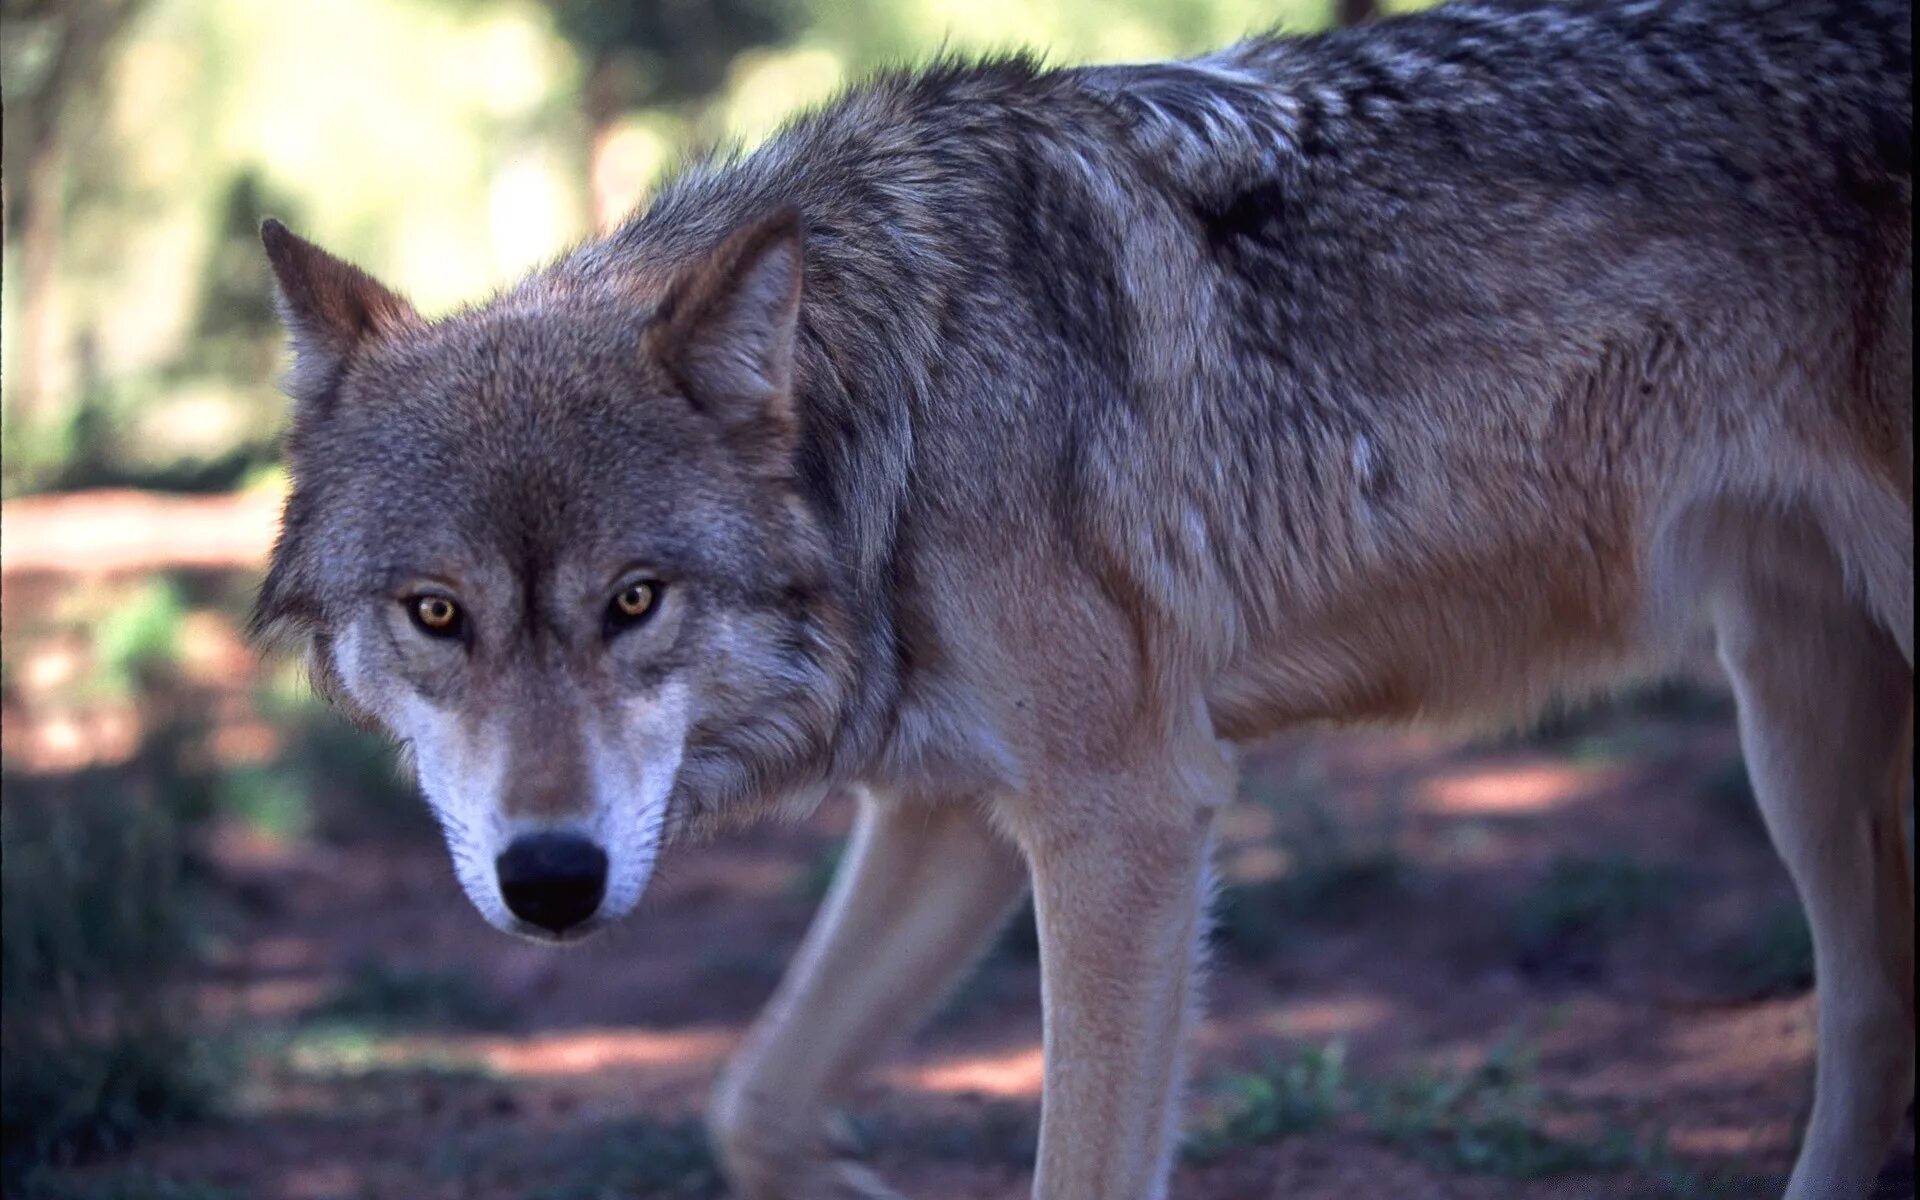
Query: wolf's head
(554, 546)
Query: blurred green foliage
(107, 900)
(96, 923)
(448, 146)
(139, 635)
(1278, 1101)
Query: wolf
(1009, 444)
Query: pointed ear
(726, 329)
(329, 307)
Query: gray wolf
(1009, 444)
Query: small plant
(140, 636)
(1566, 921)
(1283, 1099)
(1488, 1120)
(344, 1053)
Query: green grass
(339, 1050)
(1489, 1118)
(1281, 1099)
(138, 635)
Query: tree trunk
(40, 127)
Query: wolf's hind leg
(920, 894)
(1826, 709)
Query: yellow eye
(437, 615)
(634, 602)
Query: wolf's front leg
(921, 892)
(1118, 898)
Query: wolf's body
(1010, 442)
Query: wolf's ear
(330, 307)
(726, 331)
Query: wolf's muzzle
(552, 880)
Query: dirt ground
(1592, 908)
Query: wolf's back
(1594, 92)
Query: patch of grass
(368, 1074)
(266, 799)
(44, 1184)
(380, 995)
(1776, 958)
(96, 922)
(1281, 1099)
(139, 635)
(637, 1158)
(1564, 924)
(1488, 1120)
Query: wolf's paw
(765, 1158)
(821, 1179)
(843, 1180)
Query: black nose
(553, 880)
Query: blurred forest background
(1557, 964)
